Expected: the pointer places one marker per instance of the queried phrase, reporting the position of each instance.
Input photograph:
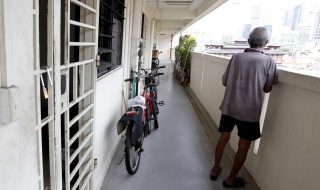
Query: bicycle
(152, 99)
(134, 122)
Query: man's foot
(237, 183)
(215, 172)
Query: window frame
(110, 36)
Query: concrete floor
(179, 155)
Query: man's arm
(226, 73)
(267, 89)
(272, 77)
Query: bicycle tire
(155, 120)
(151, 120)
(132, 162)
(147, 126)
(155, 114)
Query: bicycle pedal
(161, 103)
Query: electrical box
(9, 105)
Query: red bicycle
(150, 94)
(135, 123)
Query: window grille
(110, 35)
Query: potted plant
(187, 43)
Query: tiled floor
(177, 156)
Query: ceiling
(174, 16)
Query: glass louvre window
(110, 35)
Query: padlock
(44, 90)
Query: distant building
(246, 30)
(239, 46)
(269, 28)
(293, 16)
(227, 39)
(316, 33)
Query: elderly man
(248, 76)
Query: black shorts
(246, 130)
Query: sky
(229, 18)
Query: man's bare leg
(240, 158)
(224, 139)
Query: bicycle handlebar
(154, 75)
(160, 67)
(146, 76)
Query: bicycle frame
(148, 97)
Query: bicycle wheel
(151, 119)
(155, 121)
(131, 153)
(147, 126)
(155, 115)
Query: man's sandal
(238, 183)
(215, 177)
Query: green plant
(187, 43)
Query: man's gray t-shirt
(245, 77)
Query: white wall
(164, 45)
(290, 147)
(2, 50)
(108, 111)
(289, 152)
(110, 90)
(150, 14)
(18, 140)
(136, 32)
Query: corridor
(177, 156)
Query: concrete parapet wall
(289, 150)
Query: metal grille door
(76, 96)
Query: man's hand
(267, 89)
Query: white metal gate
(77, 79)
(65, 90)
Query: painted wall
(18, 140)
(108, 111)
(111, 94)
(164, 45)
(289, 152)
(136, 32)
(150, 14)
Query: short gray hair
(259, 37)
